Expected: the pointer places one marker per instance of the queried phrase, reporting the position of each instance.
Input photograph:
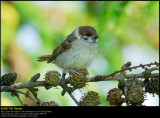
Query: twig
(118, 77)
(68, 90)
(19, 99)
(27, 95)
(75, 100)
(125, 94)
(130, 69)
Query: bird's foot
(81, 72)
(62, 81)
(64, 86)
(63, 78)
(74, 73)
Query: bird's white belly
(79, 56)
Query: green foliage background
(30, 29)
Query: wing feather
(63, 47)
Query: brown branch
(118, 77)
(27, 95)
(90, 79)
(29, 84)
(14, 91)
(130, 68)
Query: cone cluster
(135, 95)
(51, 103)
(114, 97)
(90, 99)
(152, 86)
(52, 78)
(8, 79)
(78, 81)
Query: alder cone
(51, 103)
(52, 78)
(78, 81)
(135, 95)
(90, 99)
(8, 79)
(114, 97)
(152, 86)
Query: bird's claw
(74, 73)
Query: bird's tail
(44, 58)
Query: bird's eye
(88, 34)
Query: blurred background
(128, 30)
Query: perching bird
(76, 52)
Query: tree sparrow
(76, 52)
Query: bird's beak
(96, 36)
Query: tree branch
(118, 77)
(90, 79)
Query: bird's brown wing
(63, 47)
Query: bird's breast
(79, 56)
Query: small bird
(76, 52)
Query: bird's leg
(63, 77)
(64, 85)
